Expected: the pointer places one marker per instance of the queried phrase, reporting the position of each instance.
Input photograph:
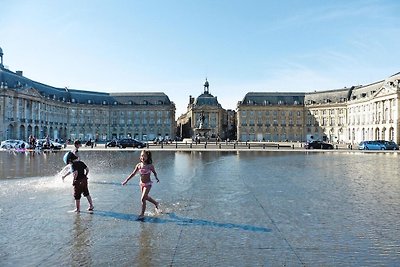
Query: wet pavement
(236, 208)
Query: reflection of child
(145, 168)
(80, 172)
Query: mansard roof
(329, 96)
(142, 98)
(369, 91)
(273, 98)
(206, 99)
(15, 81)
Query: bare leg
(149, 198)
(145, 197)
(89, 198)
(77, 205)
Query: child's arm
(155, 173)
(131, 175)
(64, 170)
(87, 172)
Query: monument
(201, 132)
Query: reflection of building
(32, 108)
(215, 117)
(348, 115)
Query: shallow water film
(264, 208)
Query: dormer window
(115, 103)
(145, 102)
(280, 102)
(73, 100)
(89, 101)
(105, 102)
(130, 102)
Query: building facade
(32, 108)
(206, 109)
(271, 117)
(348, 115)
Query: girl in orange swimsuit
(145, 167)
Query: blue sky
(172, 46)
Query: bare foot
(158, 210)
(74, 211)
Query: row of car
(39, 143)
(364, 145)
(378, 145)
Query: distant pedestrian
(80, 182)
(145, 167)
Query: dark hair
(77, 142)
(149, 159)
(71, 157)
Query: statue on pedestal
(201, 120)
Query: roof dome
(206, 99)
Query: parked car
(41, 143)
(112, 143)
(7, 144)
(389, 145)
(130, 142)
(318, 145)
(14, 143)
(371, 145)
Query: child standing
(80, 172)
(145, 168)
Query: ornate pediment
(386, 89)
(31, 92)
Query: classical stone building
(215, 117)
(31, 108)
(347, 115)
(325, 114)
(271, 117)
(373, 111)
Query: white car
(53, 145)
(13, 143)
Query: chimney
(19, 72)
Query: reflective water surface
(219, 209)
